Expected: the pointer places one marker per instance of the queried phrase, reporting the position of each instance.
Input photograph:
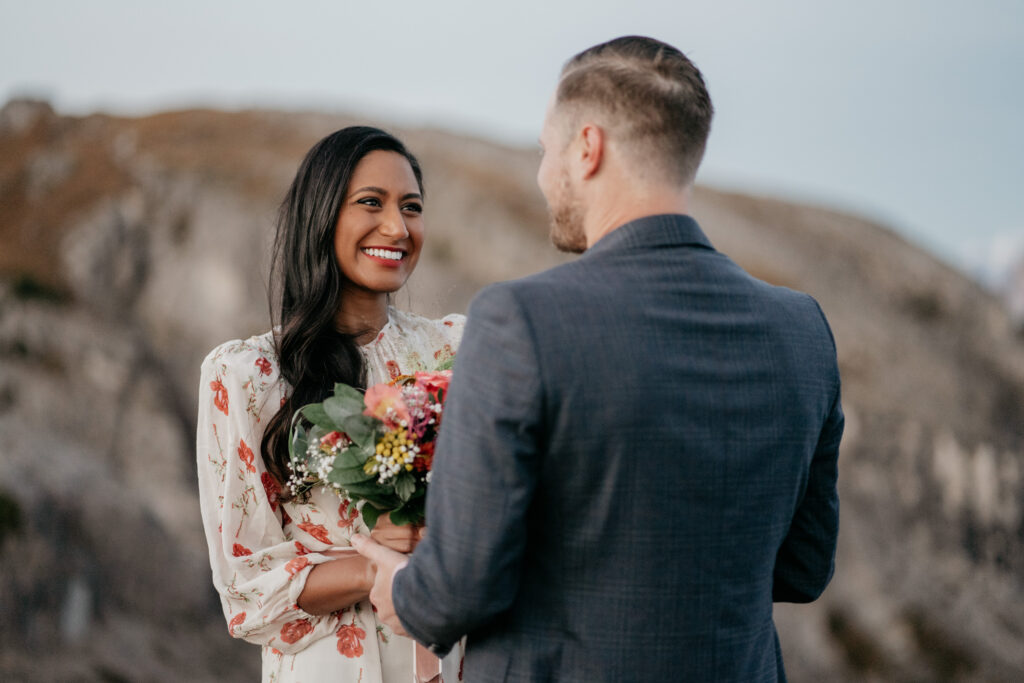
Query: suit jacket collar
(670, 229)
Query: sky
(910, 112)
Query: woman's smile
(385, 256)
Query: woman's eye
(370, 201)
(413, 207)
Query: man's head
(651, 111)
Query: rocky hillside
(130, 247)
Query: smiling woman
(349, 233)
(379, 232)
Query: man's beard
(567, 220)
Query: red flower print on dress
(220, 396)
(301, 549)
(347, 514)
(245, 455)
(239, 550)
(295, 566)
(317, 531)
(393, 369)
(294, 630)
(350, 639)
(445, 352)
(272, 488)
(264, 365)
(449, 323)
(235, 621)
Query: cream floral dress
(262, 550)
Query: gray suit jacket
(638, 455)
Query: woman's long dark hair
(306, 283)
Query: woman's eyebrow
(370, 188)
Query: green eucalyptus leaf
(350, 457)
(298, 443)
(340, 408)
(316, 414)
(381, 501)
(348, 392)
(399, 517)
(407, 514)
(362, 429)
(368, 489)
(347, 476)
(350, 395)
(405, 485)
(370, 515)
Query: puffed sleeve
(452, 326)
(258, 572)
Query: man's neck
(607, 216)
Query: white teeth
(384, 253)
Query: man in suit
(639, 448)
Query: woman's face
(379, 233)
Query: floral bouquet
(377, 448)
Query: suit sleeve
(806, 559)
(466, 571)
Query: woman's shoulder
(256, 353)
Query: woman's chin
(388, 285)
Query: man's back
(655, 411)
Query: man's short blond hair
(648, 94)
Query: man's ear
(591, 152)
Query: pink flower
(332, 438)
(385, 403)
(434, 382)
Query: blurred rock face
(130, 247)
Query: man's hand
(387, 562)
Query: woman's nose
(393, 225)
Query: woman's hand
(400, 538)
(335, 585)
